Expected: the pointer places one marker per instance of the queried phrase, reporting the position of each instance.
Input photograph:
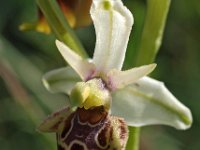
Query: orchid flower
(103, 98)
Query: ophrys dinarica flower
(100, 92)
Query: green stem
(60, 26)
(151, 40)
(133, 141)
(152, 34)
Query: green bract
(140, 100)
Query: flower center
(92, 93)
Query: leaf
(29, 74)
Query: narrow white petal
(81, 66)
(149, 102)
(113, 23)
(53, 121)
(61, 80)
(119, 79)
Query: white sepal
(113, 23)
(60, 80)
(119, 79)
(149, 102)
(84, 68)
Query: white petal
(149, 102)
(119, 79)
(53, 121)
(113, 25)
(61, 80)
(82, 67)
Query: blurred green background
(25, 56)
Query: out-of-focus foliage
(25, 56)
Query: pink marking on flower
(91, 74)
(110, 84)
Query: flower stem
(133, 141)
(152, 34)
(149, 45)
(60, 26)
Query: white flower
(139, 99)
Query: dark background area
(25, 56)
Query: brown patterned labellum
(92, 129)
